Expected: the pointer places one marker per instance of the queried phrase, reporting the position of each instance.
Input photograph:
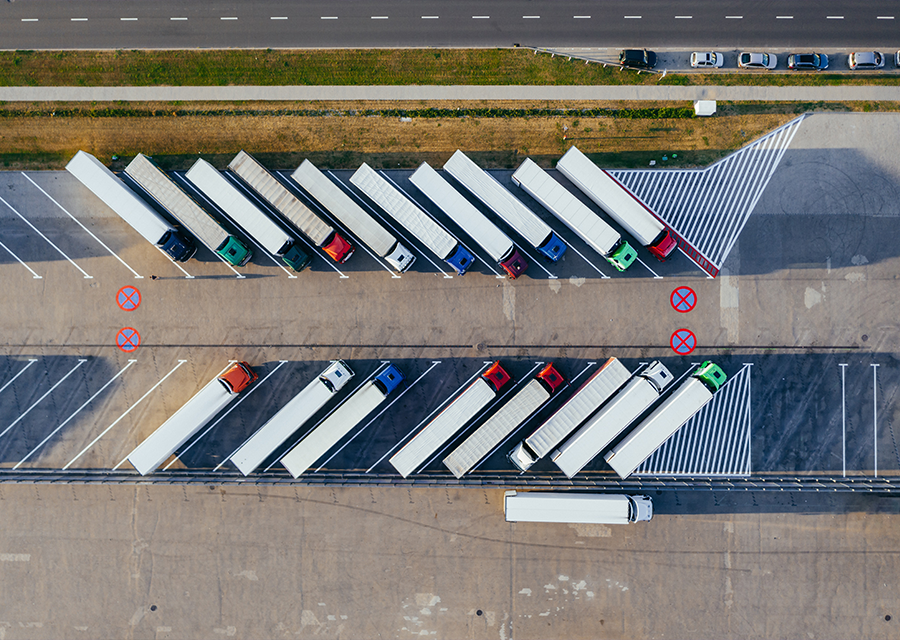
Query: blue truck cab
(553, 247)
(460, 259)
(389, 379)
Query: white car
(866, 60)
(757, 60)
(707, 59)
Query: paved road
(84, 24)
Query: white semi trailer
(191, 417)
(615, 417)
(666, 419)
(342, 207)
(454, 417)
(572, 212)
(585, 401)
(618, 202)
(363, 402)
(521, 406)
(416, 221)
(301, 217)
(247, 215)
(471, 220)
(184, 209)
(510, 209)
(576, 508)
(291, 417)
(155, 229)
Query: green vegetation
(362, 67)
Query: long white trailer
(416, 221)
(666, 419)
(184, 209)
(247, 215)
(291, 417)
(303, 219)
(615, 417)
(618, 202)
(521, 406)
(104, 184)
(471, 220)
(342, 207)
(191, 417)
(576, 508)
(453, 418)
(363, 402)
(585, 401)
(499, 200)
(572, 212)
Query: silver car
(701, 59)
(866, 60)
(749, 60)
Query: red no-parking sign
(683, 299)
(683, 341)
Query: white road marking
(128, 19)
(656, 276)
(328, 18)
(885, 17)
(531, 17)
(440, 406)
(228, 18)
(113, 253)
(379, 17)
(243, 397)
(25, 220)
(591, 264)
(834, 17)
(784, 17)
(178, 19)
(734, 17)
(29, 19)
(430, 17)
(81, 361)
(65, 422)
(683, 17)
(481, 17)
(874, 413)
(33, 274)
(581, 17)
(94, 441)
(78, 19)
(278, 18)
(632, 17)
(31, 361)
(843, 367)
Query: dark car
(813, 61)
(637, 58)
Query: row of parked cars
(644, 59)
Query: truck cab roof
(389, 379)
(657, 374)
(336, 375)
(496, 376)
(551, 378)
(238, 377)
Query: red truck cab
(551, 378)
(338, 248)
(663, 246)
(496, 376)
(238, 377)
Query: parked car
(866, 60)
(757, 60)
(813, 61)
(637, 58)
(701, 59)
(897, 59)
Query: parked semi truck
(511, 415)
(342, 207)
(572, 212)
(363, 402)
(448, 422)
(615, 417)
(576, 508)
(666, 419)
(287, 204)
(585, 401)
(471, 220)
(291, 417)
(155, 229)
(618, 202)
(416, 221)
(247, 215)
(510, 209)
(190, 418)
(184, 209)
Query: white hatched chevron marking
(715, 441)
(709, 207)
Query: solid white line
(440, 406)
(128, 19)
(34, 275)
(581, 17)
(81, 361)
(278, 18)
(91, 399)
(656, 276)
(228, 18)
(844, 418)
(874, 413)
(481, 17)
(31, 361)
(136, 274)
(177, 266)
(243, 397)
(76, 20)
(593, 266)
(430, 17)
(25, 220)
(94, 441)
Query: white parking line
(25, 220)
(66, 421)
(117, 420)
(19, 260)
(885, 17)
(531, 17)
(434, 363)
(591, 264)
(81, 361)
(440, 406)
(243, 397)
(874, 413)
(784, 17)
(113, 253)
(581, 17)
(656, 276)
(379, 17)
(31, 361)
(383, 364)
(29, 19)
(843, 367)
